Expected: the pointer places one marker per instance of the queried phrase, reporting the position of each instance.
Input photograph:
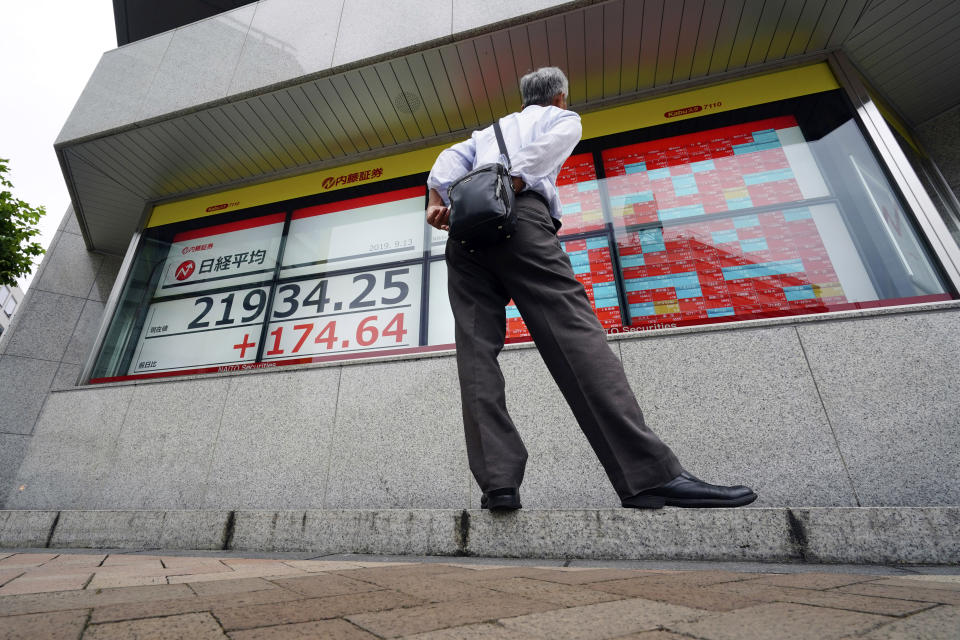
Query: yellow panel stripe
(781, 85)
(681, 106)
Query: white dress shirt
(538, 139)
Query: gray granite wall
(267, 44)
(849, 411)
(49, 338)
(940, 137)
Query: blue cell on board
(632, 260)
(604, 290)
(687, 211)
(596, 243)
(720, 312)
(753, 244)
(802, 292)
(703, 165)
(739, 203)
(726, 235)
(767, 176)
(684, 185)
(775, 268)
(791, 215)
(642, 309)
(638, 198)
(753, 147)
(694, 292)
(767, 135)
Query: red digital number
(306, 328)
(277, 333)
(327, 335)
(245, 344)
(395, 328)
(364, 330)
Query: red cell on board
(637, 297)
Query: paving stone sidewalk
(102, 596)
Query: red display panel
(704, 173)
(579, 195)
(734, 268)
(593, 266)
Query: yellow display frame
(736, 94)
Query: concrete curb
(868, 535)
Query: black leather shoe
(686, 490)
(501, 500)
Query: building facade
(10, 299)
(244, 308)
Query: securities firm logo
(222, 206)
(349, 178)
(185, 270)
(676, 113)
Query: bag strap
(503, 146)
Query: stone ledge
(867, 535)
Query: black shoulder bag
(482, 203)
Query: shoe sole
(658, 502)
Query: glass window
(10, 306)
(373, 309)
(762, 217)
(440, 329)
(580, 195)
(267, 287)
(4, 294)
(767, 211)
(385, 227)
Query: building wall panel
(398, 439)
(163, 452)
(890, 395)
(741, 407)
(117, 87)
(272, 444)
(198, 64)
(810, 413)
(274, 53)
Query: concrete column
(50, 338)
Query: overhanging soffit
(437, 91)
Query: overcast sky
(48, 50)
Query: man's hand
(438, 216)
(518, 184)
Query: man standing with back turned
(532, 268)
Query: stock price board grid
(719, 265)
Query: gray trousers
(532, 268)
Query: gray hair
(540, 86)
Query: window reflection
(773, 210)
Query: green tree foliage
(18, 224)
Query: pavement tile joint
(102, 595)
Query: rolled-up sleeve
(544, 155)
(452, 163)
